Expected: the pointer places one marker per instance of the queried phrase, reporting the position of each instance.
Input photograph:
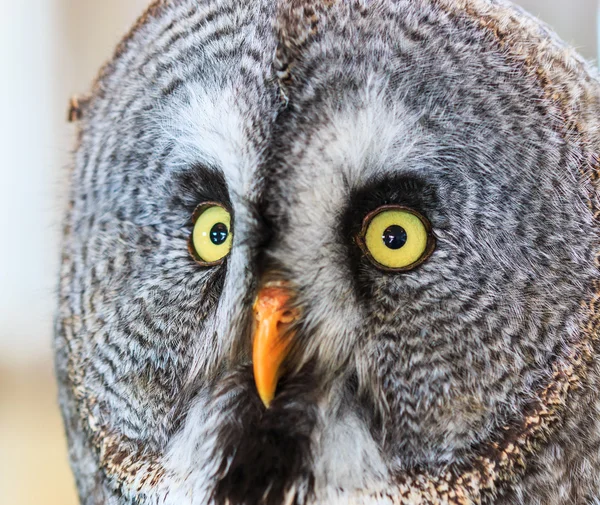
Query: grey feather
(471, 379)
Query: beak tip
(266, 402)
(265, 393)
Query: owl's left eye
(396, 238)
(212, 237)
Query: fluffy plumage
(472, 379)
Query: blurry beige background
(49, 50)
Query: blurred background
(51, 49)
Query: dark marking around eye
(219, 234)
(395, 237)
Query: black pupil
(395, 237)
(219, 234)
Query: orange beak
(272, 338)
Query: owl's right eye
(212, 235)
(396, 238)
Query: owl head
(331, 251)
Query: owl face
(321, 274)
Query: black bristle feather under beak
(270, 451)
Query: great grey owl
(334, 251)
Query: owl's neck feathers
(278, 443)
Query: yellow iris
(396, 239)
(212, 237)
